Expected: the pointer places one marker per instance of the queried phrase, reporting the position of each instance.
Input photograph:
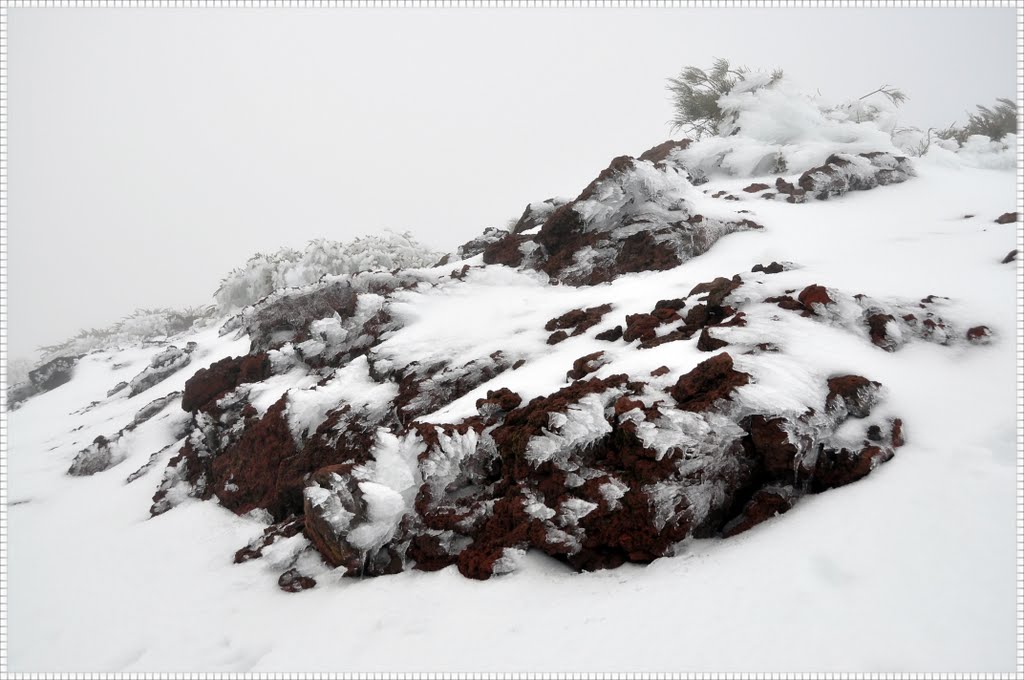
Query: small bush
(695, 94)
(17, 371)
(263, 273)
(140, 325)
(995, 123)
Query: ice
(582, 424)
(612, 491)
(385, 508)
(351, 384)
(782, 130)
(573, 510)
(509, 561)
(263, 274)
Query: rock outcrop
(42, 379)
(635, 216)
(106, 452)
(161, 366)
(377, 461)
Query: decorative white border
(486, 4)
(1020, 344)
(3, 337)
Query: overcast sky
(153, 150)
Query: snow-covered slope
(636, 381)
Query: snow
(308, 408)
(582, 424)
(780, 123)
(263, 274)
(911, 569)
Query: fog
(153, 150)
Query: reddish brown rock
(718, 290)
(557, 337)
(586, 364)
(1006, 218)
(896, 433)
(210, 384)
(641, 252)
(878, 329)
(787, 302)
(773, 446)
(842, 467)
(709, 381)
(502, 399)
(773, 268)
(579, 320)
(344, 494)
(610, 335)
(762, 506)
(532, 418)
(979, 335)
(256, 468)
(793, 193)
(426, 388)
(660, 371)
(533, 218)
(707, 343)
(642, 327)
(292, 581)
(755, 187)
(265, 468)
(275, 532)
(838, 175)
(1010, 257)
(814, 295)
(855, 392)
(660, 152)
(506, 251)
(429, 553)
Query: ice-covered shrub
(755, 123)
(770, 127)
(696, 93)
(263, 274)
(141, 325)
(977, 151)
(878, 106)
(995, 123)
(17, 370)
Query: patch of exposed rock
(105, 452)
(635, 216)
(42, 379)
(161, 366)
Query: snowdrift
(703, 339)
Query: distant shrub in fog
(265, 273)
(141, 325)
(995, 123)
(17, 370)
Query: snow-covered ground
(909, 569)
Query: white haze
(151, 151)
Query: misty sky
(153, 150)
